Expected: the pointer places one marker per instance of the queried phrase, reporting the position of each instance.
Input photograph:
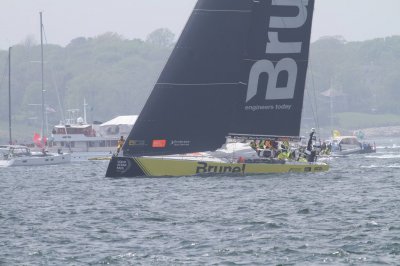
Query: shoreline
(390, 131)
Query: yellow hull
(156, 167)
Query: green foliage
(366, 74)
(363, 120)
(161, 38)
(115, 76)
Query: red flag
(39, 142)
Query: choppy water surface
(72, 215)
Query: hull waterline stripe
(141, 166)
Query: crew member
(310, 140)
(285, 146)
(267, 144)
(261, 144)
(120, 144)
(310, 151)
(253, 145)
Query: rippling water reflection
(72, 215)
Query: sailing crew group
(273, 149)
(281, 150)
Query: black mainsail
(238, 68)
(274, 69)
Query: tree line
(116, 75)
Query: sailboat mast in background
(9, 95)
(41, 60)
(16, 155)
(84, 111)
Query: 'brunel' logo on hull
(203, 168)
(273, 47)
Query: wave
(381, 166)
(384, 156)
(388, 147)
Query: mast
(331, 111)
(42, 64)
(9, 94)
(331, 95)
(84, 110)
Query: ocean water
(73, 215)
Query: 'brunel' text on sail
(274, 46)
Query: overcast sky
(65, 20)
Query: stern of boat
(124, 167)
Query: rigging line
(54, 82)
(311, 105)
(315, 113)
(313, 99)
(316, 118)
(315, 96)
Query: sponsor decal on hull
(203, 167)
(179, 143)
(123, 165)
(133, 142)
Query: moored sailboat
(237, 71)
(16, 155)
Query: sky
(64, 20)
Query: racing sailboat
(238, 71)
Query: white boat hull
(352, 151)
(37, 160)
